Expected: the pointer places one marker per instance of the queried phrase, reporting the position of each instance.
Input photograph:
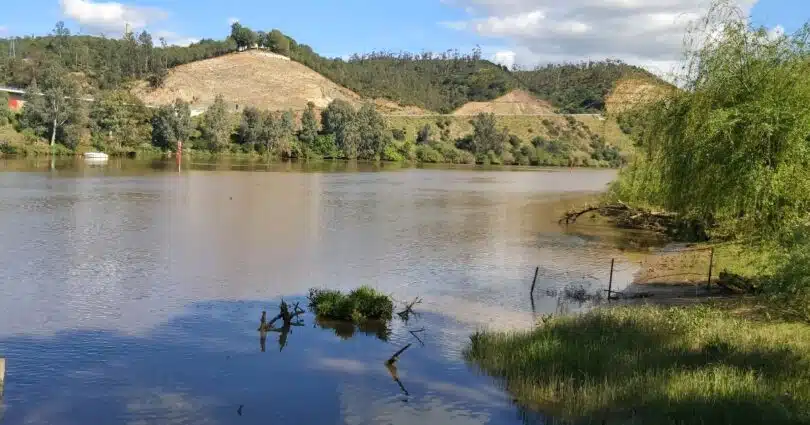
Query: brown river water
(130, 291)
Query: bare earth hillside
(253, 78)
(631, 92)
(516, 102)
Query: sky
(648, 33)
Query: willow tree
(733, 147)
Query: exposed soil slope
(634, 91)
(516, 102)
(253, 78)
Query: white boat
(95, 155)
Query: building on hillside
(15, 98)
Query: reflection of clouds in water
(170, 407)
(360, 407)
(340, 365)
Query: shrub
(363, 303)
(398, 134)
(425, 153)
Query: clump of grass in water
(656, 365)
(363, 303)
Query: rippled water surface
(130, 291)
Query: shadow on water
(204, 365)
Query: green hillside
(436, 82)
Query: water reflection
(346, 330)
(109, 275)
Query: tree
(423, 136)
(309, 125)
(278, 43)
(339, 119)
(120, 117)
(252, 129)
(171, 124)
(372, 131)
(58, 103)
(216, 126)
(486, 136)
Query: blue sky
(526, 31)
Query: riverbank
(708, 363)
(686, 354)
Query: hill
(633, 91)
(516, 102)
(254, 78)
(257, 78)
(581, 87)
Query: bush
(454, 155)
(398, 134)
(427, 154)
(363, 303)
(325, 146)
(391, 153)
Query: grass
(704, 364)
(361, 304)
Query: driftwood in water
(417, 336)
(629, 217)
(405, 314)
(395, 357)
(285, 315)
(392, 369)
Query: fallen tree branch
(395, 357)
(404, 314)
(417, 336)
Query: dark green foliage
(423, 136)
(309, 125)
(170, 124)
(5, 112)
(120, 118)
(58, 105)
(486, 136)
(363, 303)
(398, 134)
(372, 132)
(427, 154)
(253, 128)
(435, 82)
(325, 146)
(216, 126)
(579, 88)
(278, 43)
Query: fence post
(610, 282)
(711, 263)
(536, 271)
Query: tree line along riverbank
(119, 124)
(728, 155)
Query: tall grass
(654, 365)
(363, 303)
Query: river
(131, 290)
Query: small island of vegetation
(359, 305)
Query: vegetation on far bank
(118, 123)
(361, 304)
(662, 365)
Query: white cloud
(232, 20)
(643, 32)
(110, 17)
(174, 39)
(504, 57)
